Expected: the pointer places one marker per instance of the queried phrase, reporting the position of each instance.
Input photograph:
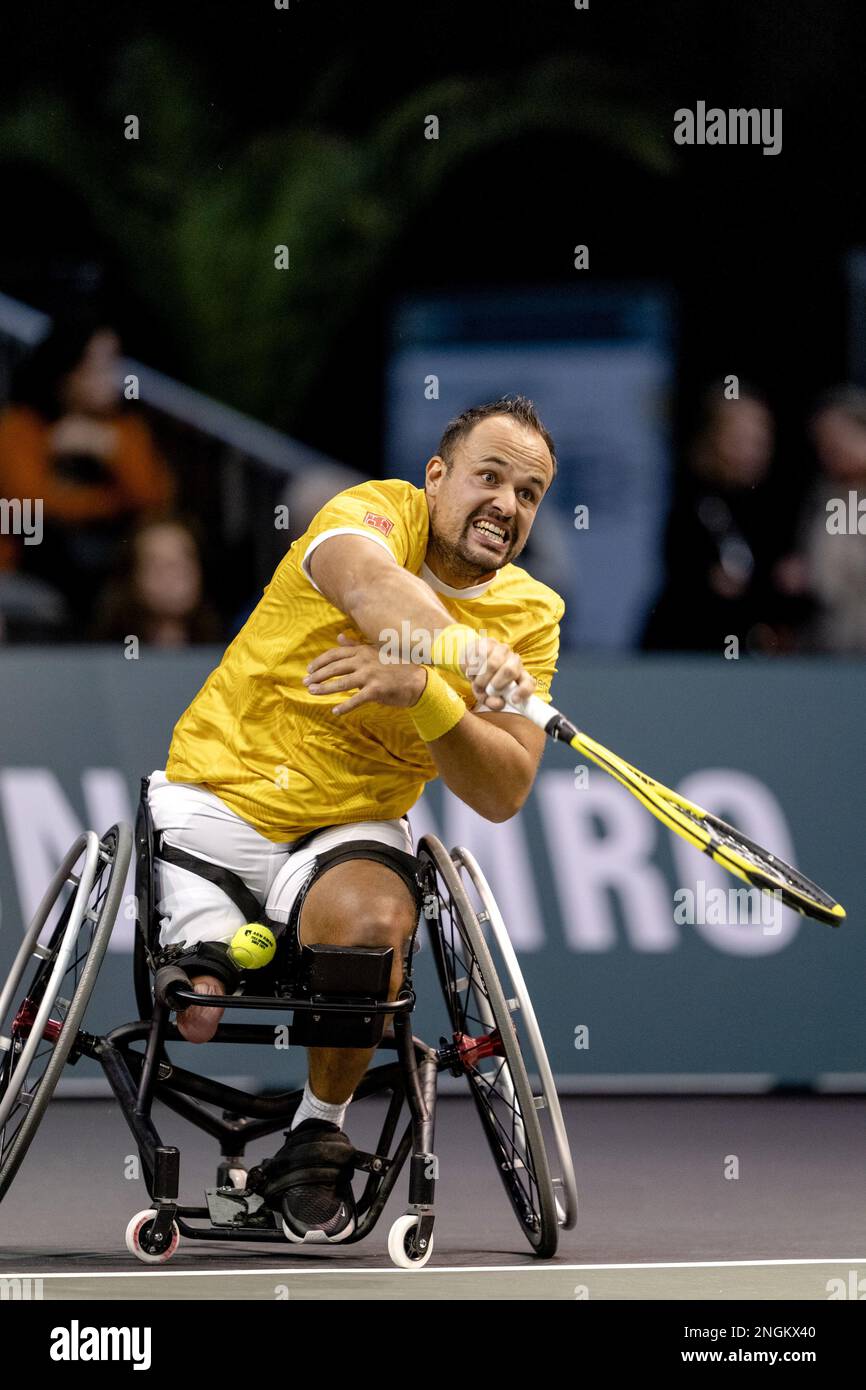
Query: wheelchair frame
(138, 1078)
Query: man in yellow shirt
(374, 662)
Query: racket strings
(730, 849)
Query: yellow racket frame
(675, 811)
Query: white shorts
(191, 908)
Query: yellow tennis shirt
(273, 752)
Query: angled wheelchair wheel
(508, 966)
(43, 1001)
(487, 1050)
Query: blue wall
(587, 880)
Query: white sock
(311, 1108)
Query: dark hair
(37, 379)
(518, 407)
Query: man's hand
(493, 663)
(358, 666)
(199, 1025)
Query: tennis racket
(722, 842)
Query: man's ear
(434, 473)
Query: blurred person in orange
(70, 442)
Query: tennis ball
(252, 946)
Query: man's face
(482, 511)
(841, 445)
(743, 439)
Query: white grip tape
(532, 707)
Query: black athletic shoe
(308, 1182)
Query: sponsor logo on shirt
(381, 523)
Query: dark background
(170, 226)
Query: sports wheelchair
(336, 997)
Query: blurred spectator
(68, 439)
(158, 595)
(829, 564)
(721, 533)
(30, 610)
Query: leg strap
(231, 883)
(403, 863)
(209, 958)
(317, 1154)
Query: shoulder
(390, 505)
(394, 492)
(391, 508)
(518, 584)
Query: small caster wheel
(231, 1175)
(399, 1244)
(138, 1239)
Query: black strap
(406, 865)
(231, 884)
(403, 863)
(208, 958)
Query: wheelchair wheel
(400, 1245)
(487, 1051)
(43, 1001)
(138, 1239)
(501, 950)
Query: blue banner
(648, 967)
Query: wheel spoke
(472, 1014)
(517, 1161)
(27, 1094)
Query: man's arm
(490, 761)
(367, 584)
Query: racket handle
(532, 707)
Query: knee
(383, 924)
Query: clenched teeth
(495, 531)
